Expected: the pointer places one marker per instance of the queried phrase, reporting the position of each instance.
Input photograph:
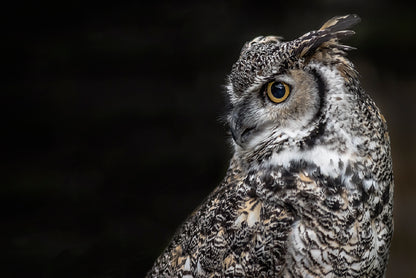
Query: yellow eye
(277, 91)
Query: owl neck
(331, 157)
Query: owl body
(309, 189)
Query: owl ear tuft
(338, 23)
(327, 36)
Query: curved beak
(239, 130)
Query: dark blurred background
(112, 133)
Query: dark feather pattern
(330, 33)
(309, 189)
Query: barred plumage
(309, 190)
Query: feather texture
(309, 189)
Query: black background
(111, 121)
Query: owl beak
(236, 136)
(240, 132)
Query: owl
(309, 189)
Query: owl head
(294, 94)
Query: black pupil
(278, 90)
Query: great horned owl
(309, 189)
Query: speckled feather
(309, 190)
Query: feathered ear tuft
(338, 23)
(328, 35)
